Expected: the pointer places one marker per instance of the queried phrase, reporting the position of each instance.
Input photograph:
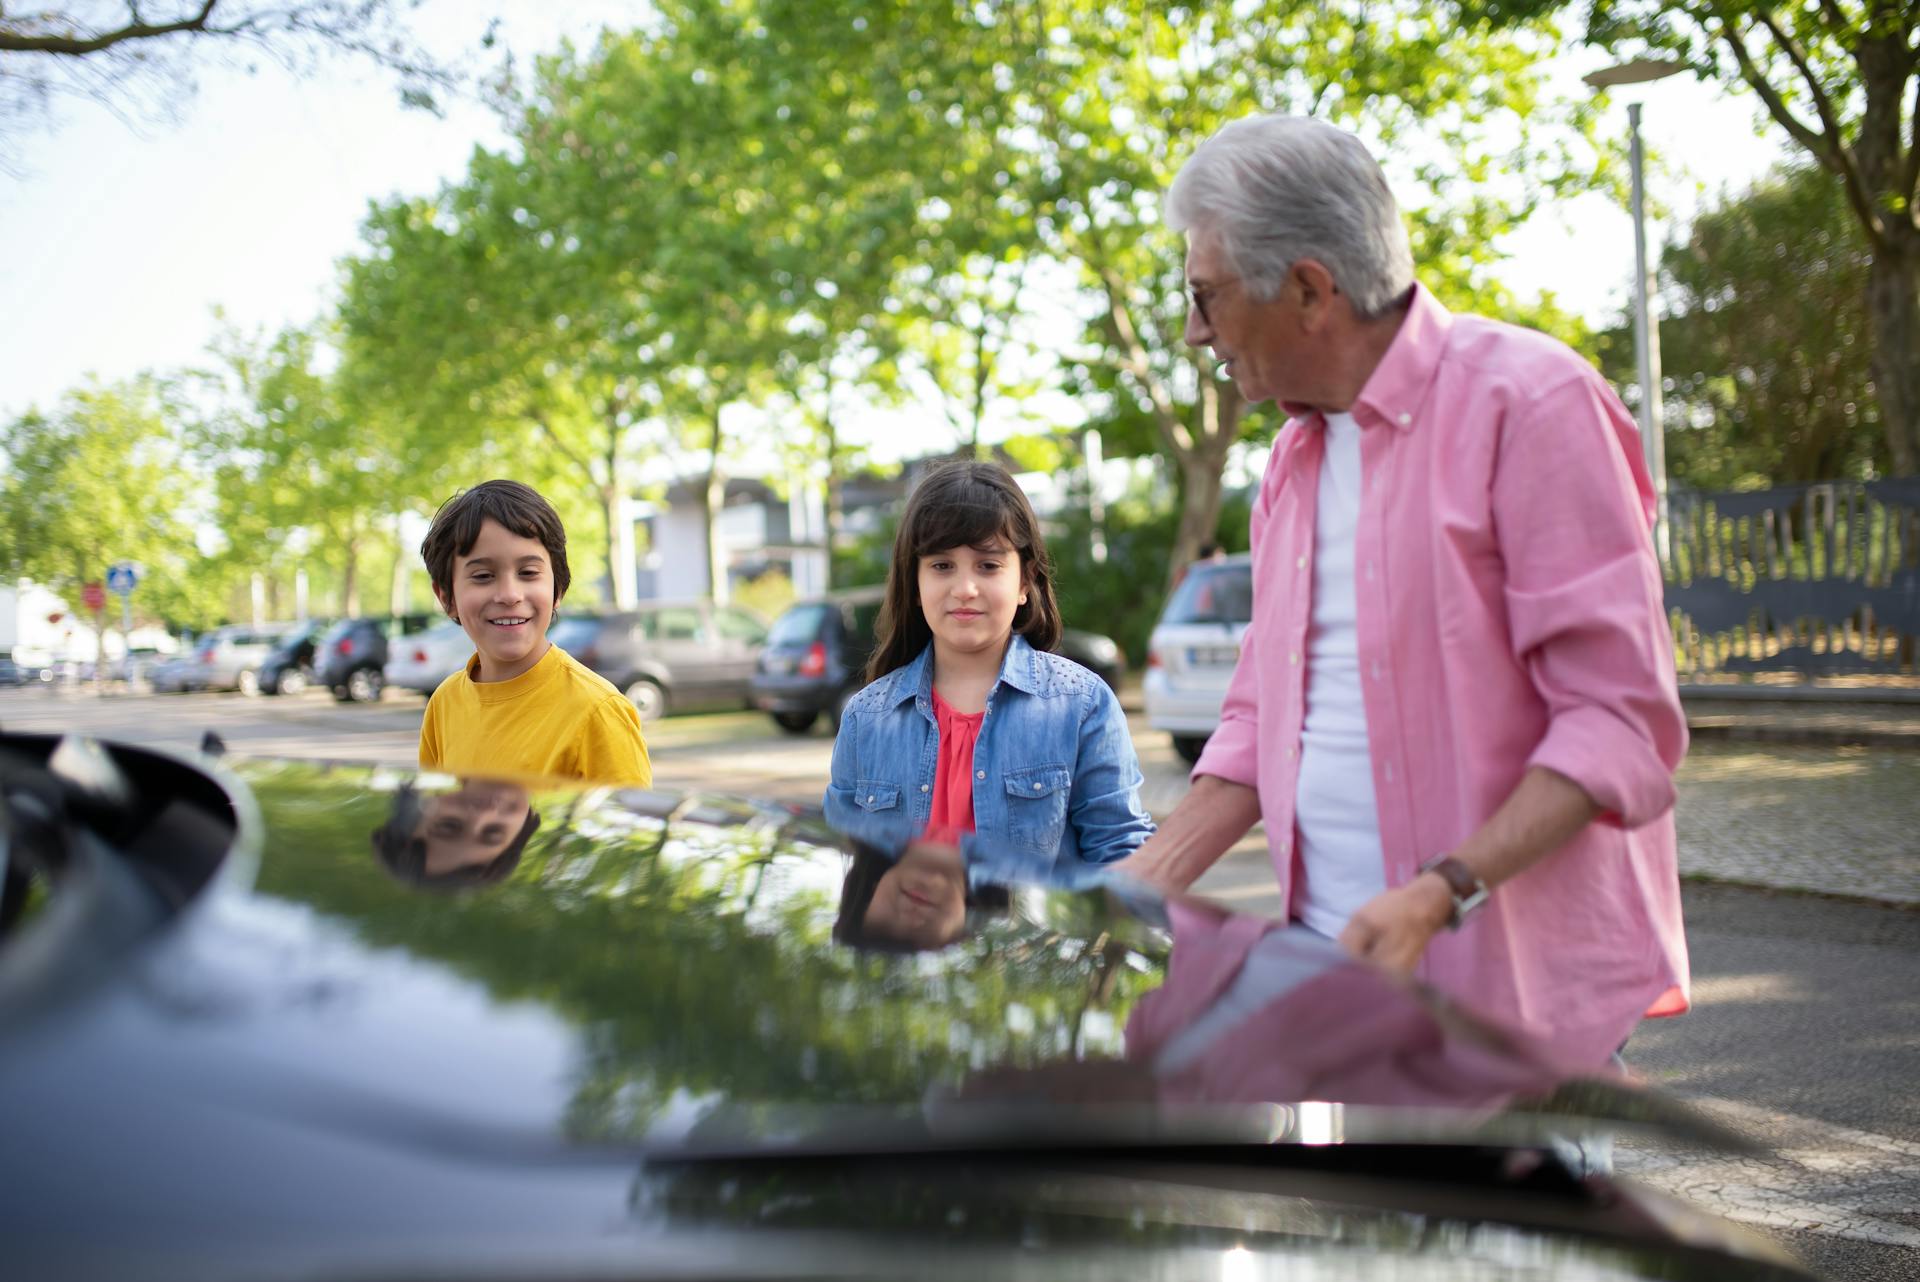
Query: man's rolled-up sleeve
(1585, 602)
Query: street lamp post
(1646, 331)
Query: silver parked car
(422, 661)
(230, 658)
(1191, 654)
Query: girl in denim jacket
(968, 724)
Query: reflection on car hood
(443, 1025)
(664, 969)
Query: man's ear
(1314, 285)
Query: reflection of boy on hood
(472, 836)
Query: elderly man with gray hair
(1455, 708)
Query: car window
(1222, 594)
(800, 625)
(675, 623)
(738, 625)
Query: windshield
(1213, 594)
(798, 626)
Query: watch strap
(1469, 892)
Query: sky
(125, 241)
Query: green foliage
(100, 479)
(767, 595)
(1121, 596)
(1840, 81)
(1763, 346)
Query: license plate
(1213, 656)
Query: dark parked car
(288, 668)
(555, 1034)
(669, 656)
(11, 673)
(351, 656)
(816, 657)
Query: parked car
(632, 1035)
(422, 661)
(1194, 646)
(137, 665)
(11, 673)
(174, 674)
(670, 656)
(816, 657)
(350, 658)
(288, 669)
(229, 658)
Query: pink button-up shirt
(1509, 615)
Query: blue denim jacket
(1056, 785)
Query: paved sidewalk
(1832, 819)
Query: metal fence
(1820, 579)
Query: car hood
(326, 1026)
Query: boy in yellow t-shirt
(497, 555)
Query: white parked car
(1194, 646)
(425, 659)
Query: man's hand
(1392, 929)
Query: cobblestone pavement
(1836, 819)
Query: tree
(304, 472)
(1091, 111)
(99, 480)
(1842, 79)
(1764, 341)
(134, 57)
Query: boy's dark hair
(404, 855)
(962, 504)
(516, 507)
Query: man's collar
(1394, 391)
(1398, 384)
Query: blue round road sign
(122, 577)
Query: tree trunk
(836, 503)
(715, 498)
(1202, 468)
(1893, 303)
(350, 580)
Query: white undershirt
(1341, 864)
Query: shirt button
(1405, 418)
(926, 787)
(980, 774)
(1292, 753)
(1038, 786)
(1293, 656)
(869, 799)
(1300, 564)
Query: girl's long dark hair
(962, 504)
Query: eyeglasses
(1200, 294)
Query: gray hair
(1277, 189)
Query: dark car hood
(312, 1038)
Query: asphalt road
(1805, 1033)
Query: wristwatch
(1469, 892)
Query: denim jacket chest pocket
(875, 797)
(1037, 805)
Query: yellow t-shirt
(558, 719)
